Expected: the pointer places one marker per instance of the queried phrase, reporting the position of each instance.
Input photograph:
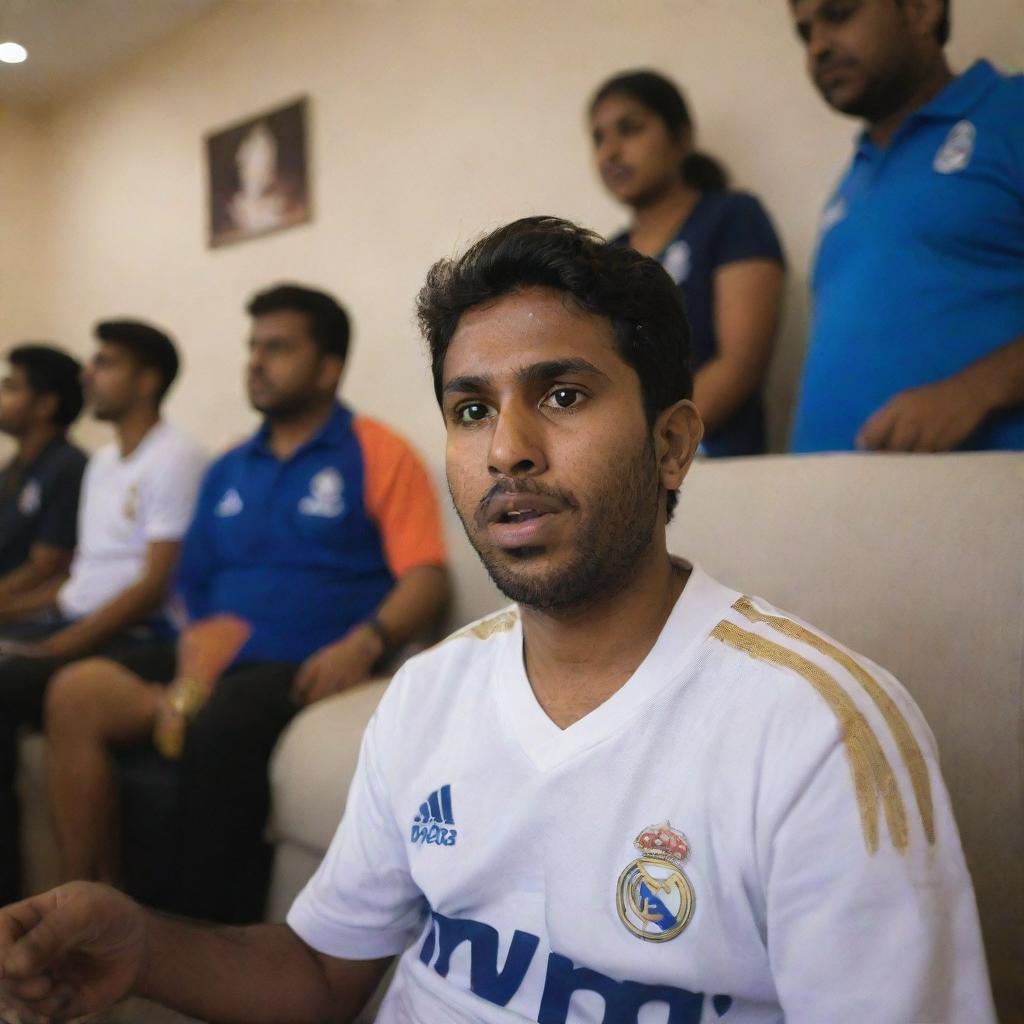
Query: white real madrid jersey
(752, 829)
(128, 503)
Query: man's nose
(517, 447)
(608, 148)
(819, 44)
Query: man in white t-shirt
(635, 795)
(136, 502)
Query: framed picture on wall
(257, 173)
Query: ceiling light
(13, 53)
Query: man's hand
(933, 418)
(73, 950)
(338, 666)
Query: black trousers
(223, 861)
(23, 685)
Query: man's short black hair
(942, 28)
(328, 321)
(942, 31)
(49, 371)
(150, 346)
(632, 291)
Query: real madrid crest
(655, 898)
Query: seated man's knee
(75, 697)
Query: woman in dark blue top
(718, 245)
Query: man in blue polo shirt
(917, 339)
(323, 533)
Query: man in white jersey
(635, 795)
(136, 502)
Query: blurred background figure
(322, 533)
(718, 245)
(137, 497)
(40, 397)
(917, 339)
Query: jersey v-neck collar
(697, 611)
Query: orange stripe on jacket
(399, 498)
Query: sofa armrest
(312, 767)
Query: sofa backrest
(918, 563)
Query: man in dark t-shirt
(40, 397)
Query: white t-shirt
(752, 829)
(126, 504)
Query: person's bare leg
(91, 706)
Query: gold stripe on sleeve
(500, 623)
(873, 780)
(908, 746)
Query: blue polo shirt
(920, 264)
(287, 545)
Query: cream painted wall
(432, 120)
(24, 236)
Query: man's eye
(564, 398)
(473, 412)
(837, 13)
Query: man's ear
(152, 380)
(329, 375)
(45, 406)
(924, 17)
(677, 433)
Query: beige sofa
(918, 562)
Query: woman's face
(636, 154)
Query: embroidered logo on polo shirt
(833, 214)
(956, 152)
(30, 498)
(230, 504)
(431, 825)
(326, 495)
(676, 261)
(655, 898)
(131, 503)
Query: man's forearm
(414, 604)
(997, 380)
(133, 605)
(45, 564)
(38, 599)
(259, 975)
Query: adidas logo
(431, 825)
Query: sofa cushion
(313, 764)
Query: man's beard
(609, 544)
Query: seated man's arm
(40, 598)
(131, 606)
(413, 605)
(45, 564)
(400, 499)
(80, 948)
(938, 417)
(33, 585)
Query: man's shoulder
(811, 689)
(103, 457)
(65, 458)
(1007, 94)
(380, 442)
(233, 456)
(172, 440)
(443, 672)
(783, 648)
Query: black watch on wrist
(385, 638)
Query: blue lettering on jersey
(430, 826)
(623, 1000)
